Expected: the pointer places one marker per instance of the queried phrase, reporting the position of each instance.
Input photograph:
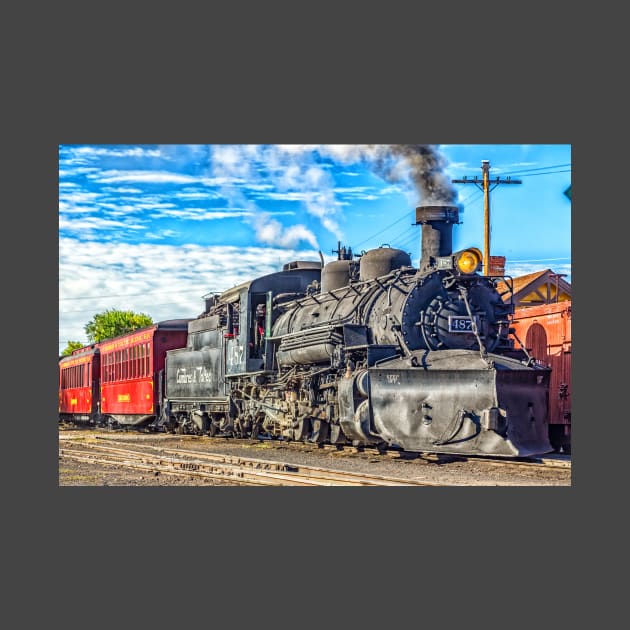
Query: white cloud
(122, 190)
(202, 214)
(64, 208)
(516, 268)
(94, 225)
(73, 171)
(112, 152)
(270, 231)
(147, 177)
(163, 281)
(78, 197)
(234, 161)
(193, 194)
(163, 234)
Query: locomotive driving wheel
(319, 431)
(336, 434)
(201, 423)
(301, 428)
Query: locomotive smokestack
(437, 232)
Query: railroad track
(371, 451)
(241, 470)
(557, 461)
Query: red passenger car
(78, 385)
(131, 371)
(545, 331)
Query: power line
(382, 230)
(528, 260)
(549, 173)
(472, 194)
(99, 297)
(100, 308)
(541, 168)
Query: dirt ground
(440, 471)
(73, 473)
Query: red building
(542, 324)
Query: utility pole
(485, 187)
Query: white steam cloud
(297, 170)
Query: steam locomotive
(364, 350)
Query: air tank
(381, 261)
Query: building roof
(539, 287)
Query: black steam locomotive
(364, 351)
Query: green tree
(113, 322)
(72, 345)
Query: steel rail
(421, 457)
(224, 466)
(539, 462)
(119, 461)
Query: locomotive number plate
(461, 324)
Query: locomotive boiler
(365, 350)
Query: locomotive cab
(253, 303)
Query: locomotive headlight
(469, 260)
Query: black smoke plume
(422, 163)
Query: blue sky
(152, 228)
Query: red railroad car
(78, 385)
(131, 371)
(545, 331)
